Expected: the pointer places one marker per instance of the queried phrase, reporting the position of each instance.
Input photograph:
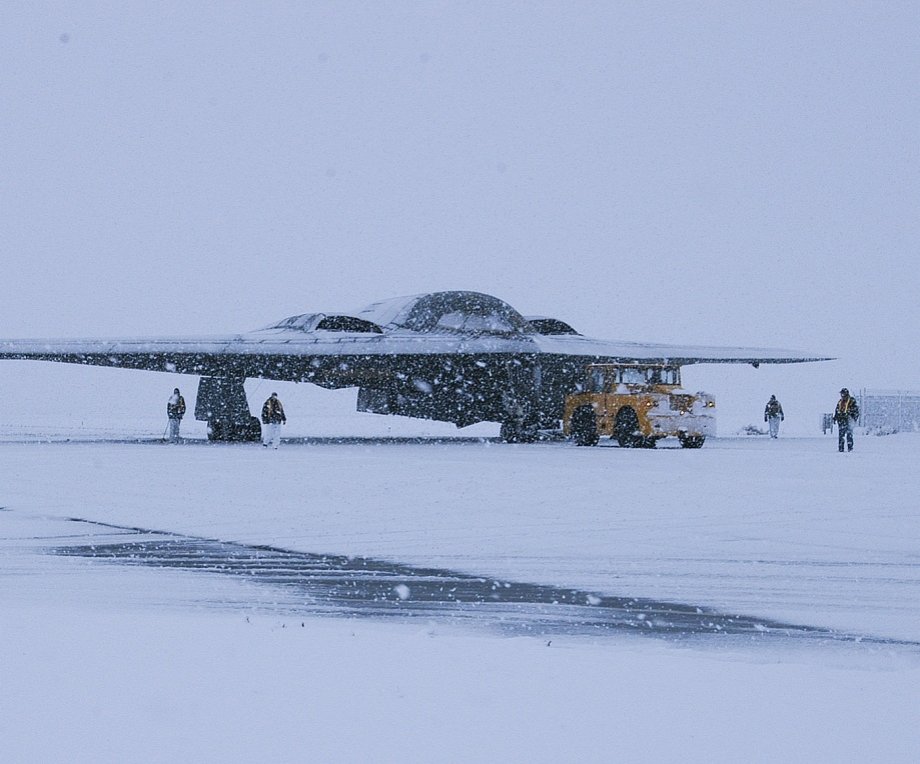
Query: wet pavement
(302, 583)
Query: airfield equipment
(638, 404)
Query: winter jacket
(847, 408)
(175, 407)
(773, 408)
(273, 412)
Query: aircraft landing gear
(222, 403)
(219, 429)
(515, 431)
(518, 425)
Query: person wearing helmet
(846, 415)
(272, 419)
(175, 410)
(773, 415)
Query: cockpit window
(309, 322)
(549, 326)
(303, 322)
(348, 324)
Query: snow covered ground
(146, 659)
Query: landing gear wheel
(247, 431)
(692, 441)
(514, 431)
(626, 429)
(584, 427)
(215, 430)
(254, 430)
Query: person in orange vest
(272, 419)
(846, 415)
(175, 410)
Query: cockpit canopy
(452, 312)
(464, 312)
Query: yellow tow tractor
(638, 405)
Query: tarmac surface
(305, 584)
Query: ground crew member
(773, 415)
(175, 410)
(846, 415)
(272, 419)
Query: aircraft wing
(291, 356)
(296, 357)
(215, 354)
(622, 351)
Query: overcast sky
(725, 173)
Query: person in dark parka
(773, 415)
(272, 419)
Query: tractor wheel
(626, 429)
